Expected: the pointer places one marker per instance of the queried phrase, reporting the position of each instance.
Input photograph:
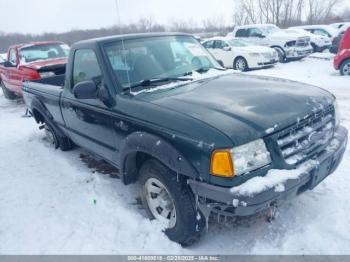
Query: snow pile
(274, 179)
(194, 77)
(324, 55)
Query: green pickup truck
(198, 138)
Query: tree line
(283, 13)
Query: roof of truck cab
(23, 45)
(127, 37)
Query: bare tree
(284, 13)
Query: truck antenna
(123, 46)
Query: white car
(319, 43)
(239, 54)
(323, 30)
(288, 46)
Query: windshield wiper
(206, 69)
(148, 82)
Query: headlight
(46, 74)
(336, 114)
(240, 160)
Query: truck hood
(40, 64)
(244, 107)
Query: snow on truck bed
(51, 202)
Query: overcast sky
(37, 16)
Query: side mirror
(85, 90)
(8, 64)
(227, 48)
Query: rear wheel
(167, 198)
(7, 93)
(56, 138)
(240, 64)
(345, 68)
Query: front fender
(156, 147)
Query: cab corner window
(85, 66)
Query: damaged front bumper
(298, 52)
(221, 200)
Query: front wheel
(7, 93)
(240, 64)
(167, 198)
(345, 68)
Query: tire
(345, 68)
(281, 54)
(241, 64)
(7, 93)
(189, 222)
(56, 137)
(315, 49)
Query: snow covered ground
(51, 202)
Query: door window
(209, 44)
(241, 33)
(254, 32)
(219, 44)
(13, 57)
(86, 66)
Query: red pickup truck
(31, 61)
(342, 59)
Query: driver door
(88, 121)
(256, 36)
(223, 52)
(12, 78)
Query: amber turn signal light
(221, 163)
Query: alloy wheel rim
(240, 64)
(160, 202)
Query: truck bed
(50, 85)
(47, 91)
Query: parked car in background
(319, 43)
(161, 109)
(335, 43)
(342, 59)
(31, 62)
(341, 26)
(323, 30)
(239, 54)
(287, 45)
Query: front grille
(307, 138)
